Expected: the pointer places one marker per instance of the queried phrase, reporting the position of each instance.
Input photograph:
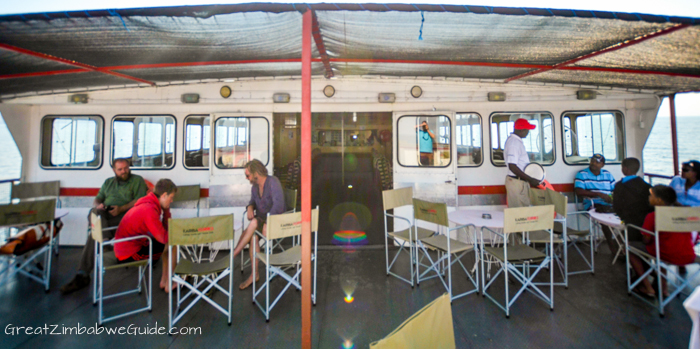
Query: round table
(609, 219)
(463, 217)
(615, 223)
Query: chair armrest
(652, 233)
(260, 235)
(113, 241)
(462, 226)
(488, 229)
(398, 217)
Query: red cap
(522, 124)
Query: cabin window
(424, 141)
(241, 139)
(588, 133)
(197, 141)
(468, 139)
(71, 141)
(147, 141)
(539, 143)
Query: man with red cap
(517, 182)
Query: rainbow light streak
(348, 344)
(349, 238)
(349, 298)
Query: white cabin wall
(24, 115)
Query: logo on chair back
(685, 220)
(427, 211)
(523, 220)
(293, 225)
(16, 216)
(198, 230)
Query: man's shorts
(261, 222)
(142, 254)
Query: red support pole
(674, 136)
(306, 181)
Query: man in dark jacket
(631, 197)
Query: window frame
(60, 168)
(184, 141)
(481, 127)
(554, 135)
(212, 146)
(563, 139)
(398, 161)
(111, 147)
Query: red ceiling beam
(351, 60)
(69, 62)
(320, 46)
(605, 50)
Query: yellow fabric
(677, 219)
(532, 218)
(187, 193)
(432, 212)
(397, 198)
(288, 224)
(200, 230)
(431, 327)
(29, 212)
(36, 190)
(538, 197)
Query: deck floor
(595, 311)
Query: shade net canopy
(55, 52)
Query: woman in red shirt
(675, 248)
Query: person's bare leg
(255, 248)
(664, 285)
(169, 263)
(638, 267)
(246, 237)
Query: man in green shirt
(116, 196)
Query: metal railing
(660, 179)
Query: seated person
(631, 198)
(116, 196)
(145, 219)
(675, 248)
(686, 185)
(266, 195)
(596, 184)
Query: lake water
(657, 154)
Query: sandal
(642, 292)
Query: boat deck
(595, 311)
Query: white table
(475, 217)
(692, 306)
(463, 217)
(615, 224)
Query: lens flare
(348, 344)
(349, 299)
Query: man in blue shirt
(425, 144)
(595, 185)
(686, 185)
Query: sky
(687, 104)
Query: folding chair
(563, 233)
(38, 190)
(522, 220)
(449, 251)
(290, 202)
(430, 327)
(404, 238)
(191, 193)
(106, 260)
(669, 220)
(199, 231)
(281, 226)
(28, 263)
